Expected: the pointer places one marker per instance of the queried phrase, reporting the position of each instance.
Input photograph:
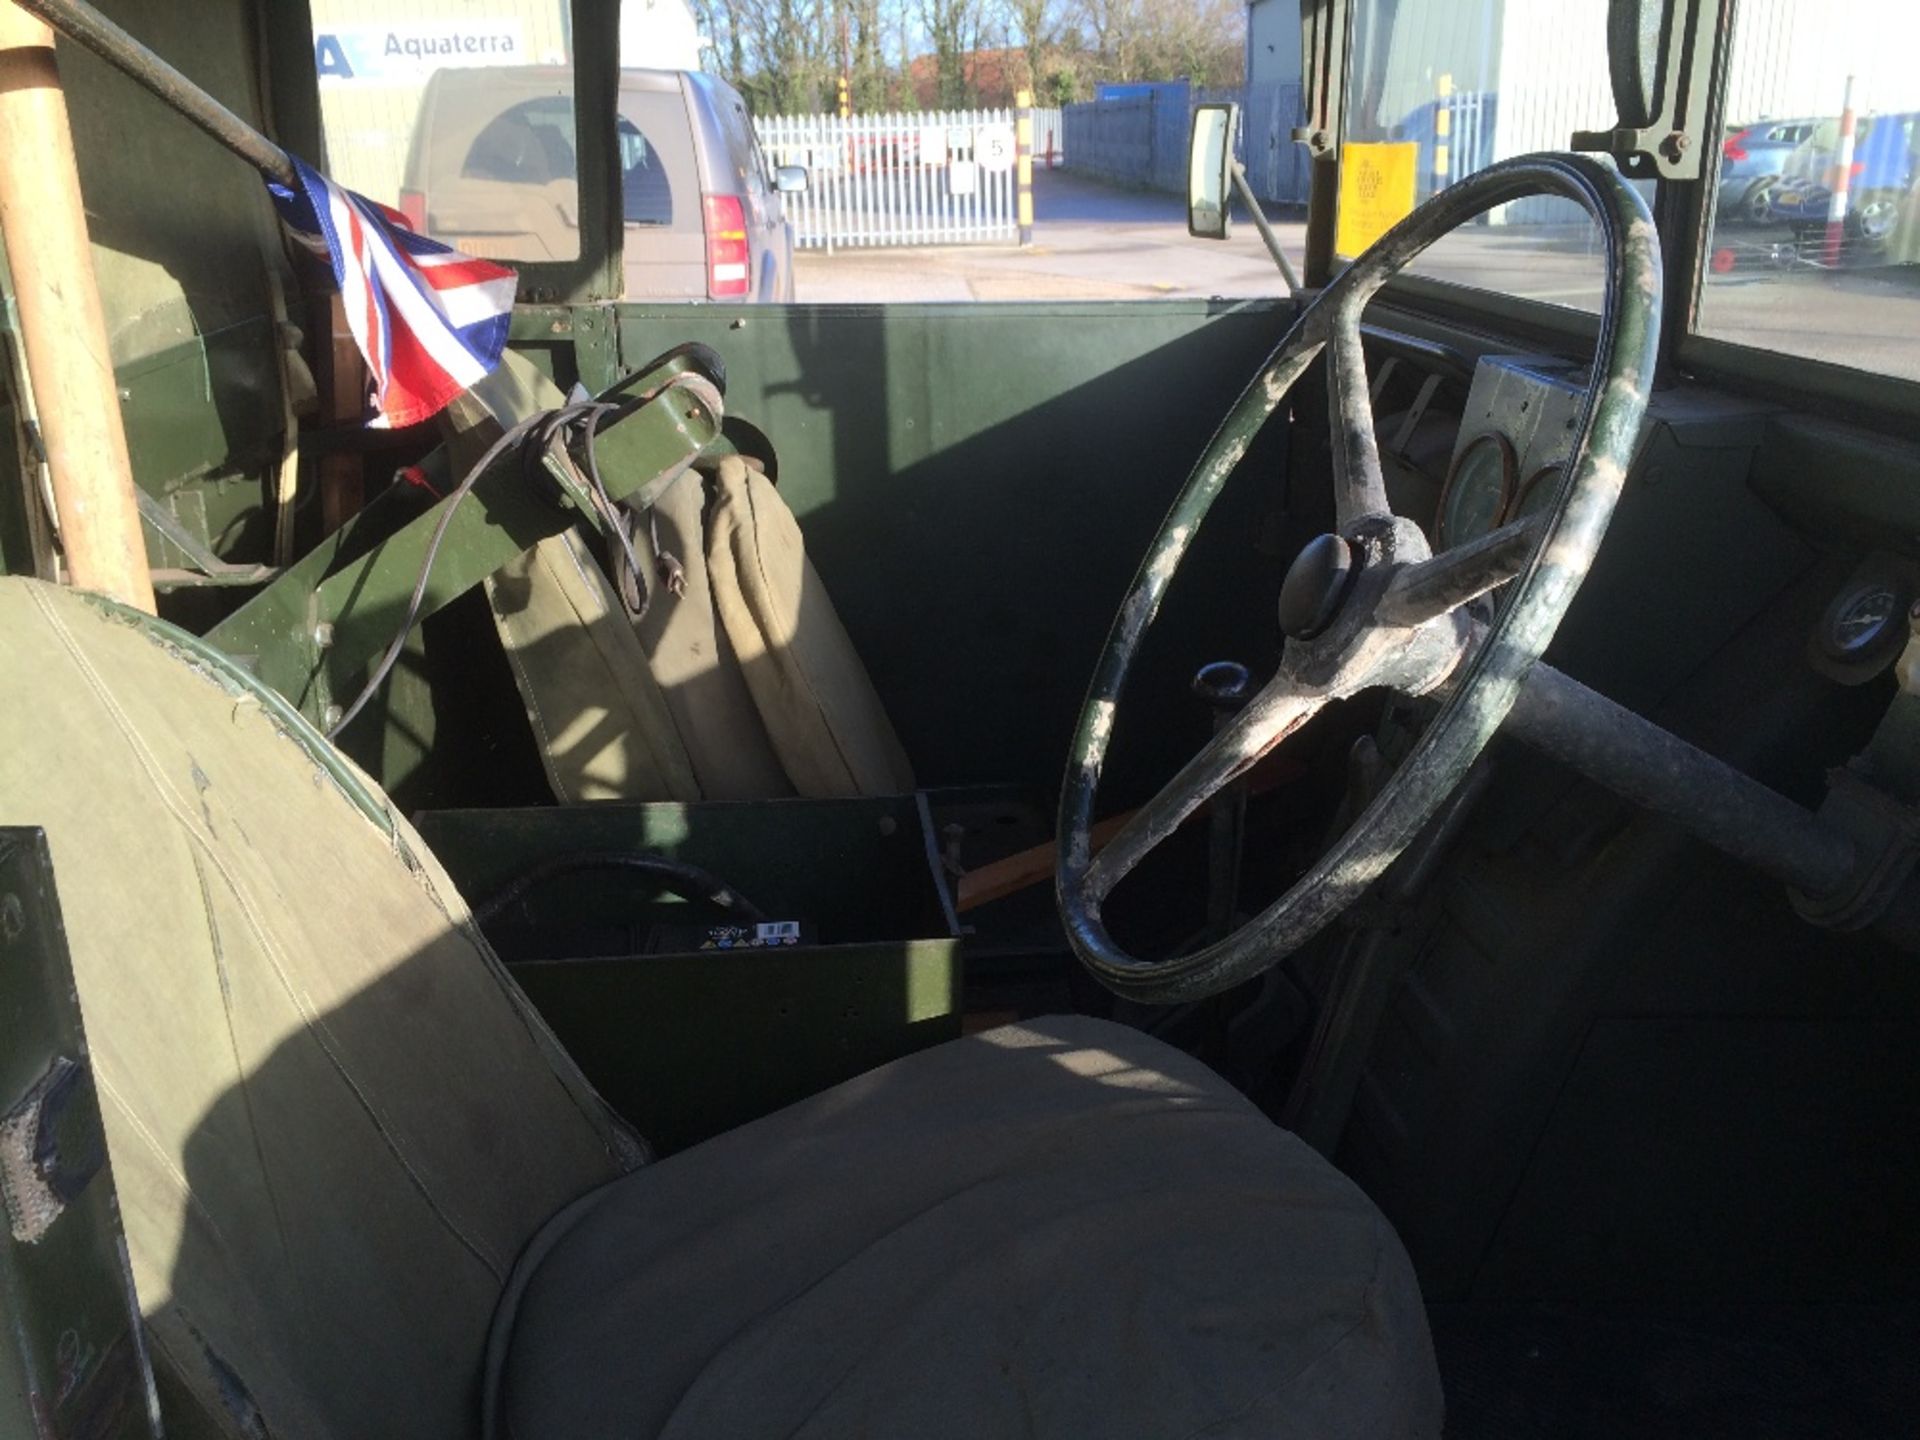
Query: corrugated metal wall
(1791, 58)
(1142, 140)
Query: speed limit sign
(993, 147)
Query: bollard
(1443, 133)
(1842, 178)
(1023, 162)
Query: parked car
(492, 170)
(1886, 169)
(1752, 158)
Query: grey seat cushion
(1064, 1228)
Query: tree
(1035, 23)
(785, 55)
(957, 30)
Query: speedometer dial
(1477, 491)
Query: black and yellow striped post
(1443, 133)
(1023, 162)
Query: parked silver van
(491, 170)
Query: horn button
(1317, 585)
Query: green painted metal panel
(688, 1044)
(313, 631)
(976, 484)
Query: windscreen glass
(1814, 241)
(1440, 89)
(462, 121)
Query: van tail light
(413, 205)
(727, 262)
(1732, 148)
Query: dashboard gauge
(1536, 492)
(1477, 491)
(1865, 620)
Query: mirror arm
(1271, 240)
(1670, 142)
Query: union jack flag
(429, 320)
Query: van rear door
(666, 248)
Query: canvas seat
(366, 1194)
(744, 687)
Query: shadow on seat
(347, 1151)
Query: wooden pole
(63, 329)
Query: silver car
(491, 170)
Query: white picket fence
(935, 178)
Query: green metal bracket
(1325, 28)
(313, 631)
(73, 1358)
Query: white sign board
(963, 178)
(993, 147)
(933, 145)
(396, 54)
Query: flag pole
(81, 23)
(63, 329)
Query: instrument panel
(1513, 441)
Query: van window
(462, 123)
(531, 144)
(659, 182)
(646, 192)
(742, 159)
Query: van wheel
(1875, 218)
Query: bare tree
(785, 55)
(1035, 24)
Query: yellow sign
(1376, 191)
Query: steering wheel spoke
(1359, 488)
(1281, 708)
(1431, 588)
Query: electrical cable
(508, 439)
(684, 879)
(551, 431)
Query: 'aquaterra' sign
(390, 53)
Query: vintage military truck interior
(616, 908)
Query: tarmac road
(1094, 241)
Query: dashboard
(1730, 501)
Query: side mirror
(790, 179)
(1209, 170)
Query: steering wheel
(1369, 605)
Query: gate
(936, 178)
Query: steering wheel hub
(1317, 584)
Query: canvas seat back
(745, 686)
(332, 1119)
